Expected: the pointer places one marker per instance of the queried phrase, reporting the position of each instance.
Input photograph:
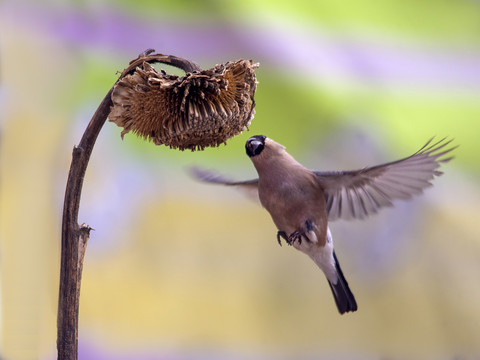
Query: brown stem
(75, 236)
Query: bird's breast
(291, 202)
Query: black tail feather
(341, 292)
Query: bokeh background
(176, 269)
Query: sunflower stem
(75, 236)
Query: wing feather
(250, 186)
(359, 193)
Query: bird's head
(255, 145)
(259, 144)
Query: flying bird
(301, 201)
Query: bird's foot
(297, 236)
(281, 235)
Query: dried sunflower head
(202, 108)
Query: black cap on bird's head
(255, 145)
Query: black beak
(255, 145)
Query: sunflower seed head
(203, 108)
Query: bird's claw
(297, 236)
(290, 240)
(282, 235)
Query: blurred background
(177, 269)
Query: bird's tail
(341, 292)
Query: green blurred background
(176, 269)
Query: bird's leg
(308, 225)
(281, 235)
(297, 236)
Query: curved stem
(75, 236)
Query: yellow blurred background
(176, 269)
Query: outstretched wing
(251, 186)
(359, 193)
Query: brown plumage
(301, 201)
(202, 108)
